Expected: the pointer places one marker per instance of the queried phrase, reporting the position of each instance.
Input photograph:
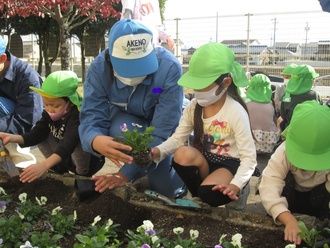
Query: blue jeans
(161, 177)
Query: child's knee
(184, 155)
(212, 197)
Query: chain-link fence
(262, 42)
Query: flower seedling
(315, 237)
(139, 141)
(145, 236)
(99, 235)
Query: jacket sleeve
(246, 147)
(28, 109)
(168, 110)
(95, 110)
(273, 182)
(181, 134)
(29, 105)
(38, 133)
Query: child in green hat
(280, 89)
(262, 113)
(298, 90)
(56, 133)
(218, 166)
(297, 176)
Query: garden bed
(129, 207)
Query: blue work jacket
(14, 85)
(158, 99)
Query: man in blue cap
(132, 82)
(20, 107)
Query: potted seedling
(139, 141)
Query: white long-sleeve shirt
(227, 133)
(273, 182)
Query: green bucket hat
(61, 84)
(288, 70)
(301, 80)
(259, 89)
(307, 142)
(208, 63)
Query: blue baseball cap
(2, 46)
(131, 49)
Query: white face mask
(130, 81)
(207, 98)
(286, 80)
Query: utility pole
(274, 40)
(177, 38)
(306, 29)
(248, 43)
(216, 28)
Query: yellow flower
(194, 234)
(56, 210)
(22, 197)
(178, 230)
(96, 219)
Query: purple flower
(2, 206)
(145, 246)
(150, 232)
(123, 127)
(218, 246)
(48, 225)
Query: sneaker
(240, 204)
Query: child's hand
(155, 153)
(291, 232)
(7, 137)
(32, 173)
(230, 190)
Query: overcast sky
(195, 8)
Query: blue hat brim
(135, 67)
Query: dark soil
(131, 214)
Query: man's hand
(112, 149)
(110, 181)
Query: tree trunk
(45, 51)
(8, 33)
(83, 58)
(64, 48)
(41, 60)
(41, 57)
